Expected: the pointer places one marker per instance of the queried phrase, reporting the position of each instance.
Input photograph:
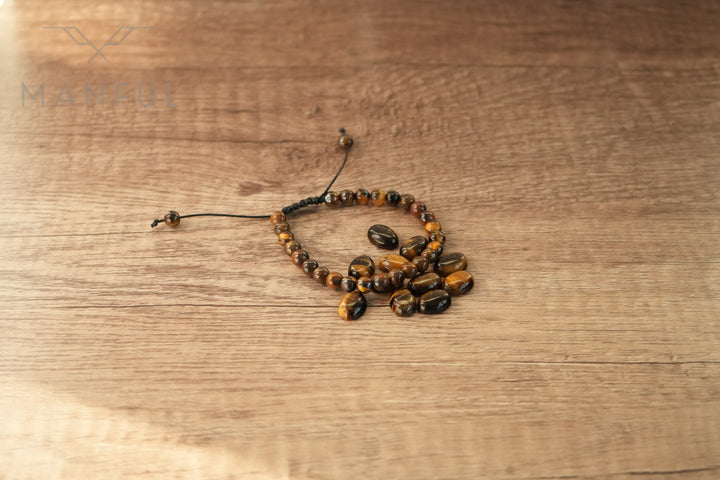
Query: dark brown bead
(438, 237)
(403, 303)
(364, 284)
(458, 283)
(309, 267)
(433, 227)
(429, 255)
(285, 237)
(434, 301)
(281, 227)
(277, 217)
(331, 199)
(291, 246)
(352, 306)
(362, 266)
(392, 198)
(298, 257)
(377, 197)
(417, 208)
(424, 283)
(391, 261)
(397, 278)
(320, 274)
(348, 284)
(436, 247)
(346, 198)
(383, 237)
(426, 217)
(345, 141)
(362, 197)
(449, 263)
(409, 269)
(413, 247)
(420, 263)
(405, 201)
(333, 280)
(381, 282)
(172, 218)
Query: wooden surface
(571, 150)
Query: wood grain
(570, 150)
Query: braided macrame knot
(302, 204)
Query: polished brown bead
(420, 263)
(417, 208)
(426, 217)
(383, 237)
(434, 301)
(403, 303)
(345, 141)
(346, 198)
(333, 280)
(291, 246)
(392, 198)
(171, 218)
(459, 283)
(433, 227)
(362, 266)
(409, 269)
(397, 278)
(405, 201)
(424, 283)
(377, 197)
(298, 257)
(285, 237)
(364, 284)
(381, 282)
(352, 306)
(430, 255)
(348, 284)
(436, 247)
(391, 261)
(331, 199)
(413, 247)
(309, 267)
(438, 237)
(362, 197)
(449, 263)
(320, 274)
(277, 217)
(281, 227)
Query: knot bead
(172, 218)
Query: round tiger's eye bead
(345, 141)
(352, 306)
(381, 282)
(362, 266)
(449, 263)
(458, 283)
(362, 197)
(426, 217)
(438, 237)
(285, 237)
(405, 201)
(391, 261)
(420, 263)
(277, 217)
(397, 278)
(309, 267)
(434, 301)
(392, 198)
(413, 247)
(364, 284)
(403, 303)
(377, 197)
(436, 247)
(417, 208)
(433, 227)
(320, 274)
(172, 218)
(348, 284)
(424, 283)
(298, 257)
(383, 237)
(281, 227)
(429, 255)
(346, 198)
(409, 269)
(331, 199)
(291, 246)
(333, 280)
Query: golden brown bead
(392, 198)
(345, 141)
(346, 198)
(348, 284)
(433, 227)
(403, 303)
(417, 208)
(352, 306)
(285, 237)
(333, 280)
(362, 197)
(362, 266)
(309, 267)
(426, 216)
(424, 283)
(391, 261)
(298, 257)
(291, 246)
(331, 199)
(405, 201)
(459, 283)
(434, 301)
(429, 255)
(364, 284)
(172, 218)
(377, 197)
(436, 247)
(409, 269)
(277, 217)
(413, 247)
(281, 227)
(320, 274)
(420, 263)
(449, 263)
(438, 237)
(381, 282)
(383, 236)
(397, 278)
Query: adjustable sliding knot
(302, 204)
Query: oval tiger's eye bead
(420, 263)
(381, 282)
(291, 246)
(285, 237)
(362, 197)
(409, 269)
(436, 247)
(403, 303)
(405, 201)
(413, 247)
(298, 257)
(377, 197)
(281, 227)
(383, 237)
(352, 306)
(459, 283)
(426, 217)
(392, 198)
(417, 208)
(172, 218)
(364, 284)
(320, 274)
(438, 237)
(348, 284)
(429, 255)
(391, 261)
(433, 227)
(434, 301)
(449, 263)
(362, 266)
(333, 280)
(331, 199)
(397, 278)
(309, 267)
(277, 217)
(424, 283)
(346, 198)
